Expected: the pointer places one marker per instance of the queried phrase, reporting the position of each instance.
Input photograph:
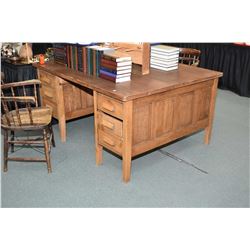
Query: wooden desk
(149, 111)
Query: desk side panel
(161, 118)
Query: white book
(123, 75)
(120, 72)
(166, 57)
(124, 79)
(126, 63)
(164, 62)
(128, 67)
(163, 68)
(164, 53)
(165, 48)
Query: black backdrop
(233, 60)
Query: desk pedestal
(133, 127)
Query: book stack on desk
(115, 66)
(164, 57)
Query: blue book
(107, 73)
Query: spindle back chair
(22, 113)
(189, 56)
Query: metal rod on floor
(182, 161)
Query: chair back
(17, 100)
(189, 56)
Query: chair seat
(41, 116)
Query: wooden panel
(203, 103)
(47, 103)
(109, 124)
(168, 137)
(184, 110)
(163, 113)
(110, 106)
(141, 123)
(48, 93)
(47, 77)
(111, 142)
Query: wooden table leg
(127, 140)
(61, 111)
(208, 129)
(62, 128)
(98, 147)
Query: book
(166, 57)
(124, 79)
(116, 56)
(104, 72)
(164, 68)
(166, 63)
(117, 71)
(164, 48)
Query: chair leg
(6, 149)
(46, 150)
(52, 133)
(12, 138)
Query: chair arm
(26, 99)
(20, 84)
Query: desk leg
(98, 147)
(127, 140)
(61, 111)
(208, 129)
(62, 128)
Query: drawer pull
(108, 124)
(108, 141)
(108, 106)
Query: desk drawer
(110, 142)
(110, 106)
(109, 124)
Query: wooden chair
(189, 56)
(22, 113)
(2, 77)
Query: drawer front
(110, 142)
(110, 106)
(109, 124)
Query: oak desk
(149, 111)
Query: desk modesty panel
(147, 112)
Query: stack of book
(60, 53)
(164, 57)
(115, 66)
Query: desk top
(156, 82)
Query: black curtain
(40, 48)
(231, 59)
